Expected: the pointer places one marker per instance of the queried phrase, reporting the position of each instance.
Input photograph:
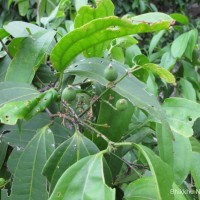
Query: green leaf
(180, 18)
(179, 45)
(12, 111)
(181, 114)
(4, 63)
(117, 121)
(161, 72)
(141, 189)
(3, 33)
(188, 89)
(23, 7)
(20, 29)
(86, 14)
(65, 155)
(101, 30)
(3, 151)
(168, 61)
(191, 43)
(12, 91)
(28, 182)
(182, 153)
(84, 180)
(161, 171)
(118, 54)
(155, 40)
(130, 87)
(22, 69)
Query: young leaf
(84, 180)
(22, 69)
(68, 153)
(101, 30)
(181, 114)
(28, 182)
(11, 112)
(161, 171)
(13, 91)
(160, 71)
(180, 18)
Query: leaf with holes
(28, 182)
(11, 112)
(68, 153)
(181, 115)
(84, 180)
(102, 30)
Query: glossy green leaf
(181, 115)
(12, 91)
(22, 69)
(84, 180)
(3, 151)
(11, 112)
(182, 158)
(180, 18)
(28, 182)
(101, 30)
(188, 90)
(161, 72)
(161, 172)
(65, 155)
(141, 189)
(191, 43)
(179, 45)
(155, 40)
(21, 29)
(86, 14)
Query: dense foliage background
(99, 99)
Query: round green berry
(2, 182)
(68, 94)
(121, 104)
(110, 73)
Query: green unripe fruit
(121, 104)
(110, 73)
(2, 182)
(68, 94)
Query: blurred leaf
(28, 182)
(179, 45)
(84, 179)
(20, 29)
(161, 72)
(182, 158)
(101, 30)
(80, 3)
(168, 61)
(65, 155)
(4, 63)
(117, 54)
(23, 7)
(3, 151)
(188, 90)
(181, 114)
(180, 18)
(155, 40)
(12, 111)
(3, 33)
(22, 69)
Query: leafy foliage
(72, 129)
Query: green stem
(60, 80)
